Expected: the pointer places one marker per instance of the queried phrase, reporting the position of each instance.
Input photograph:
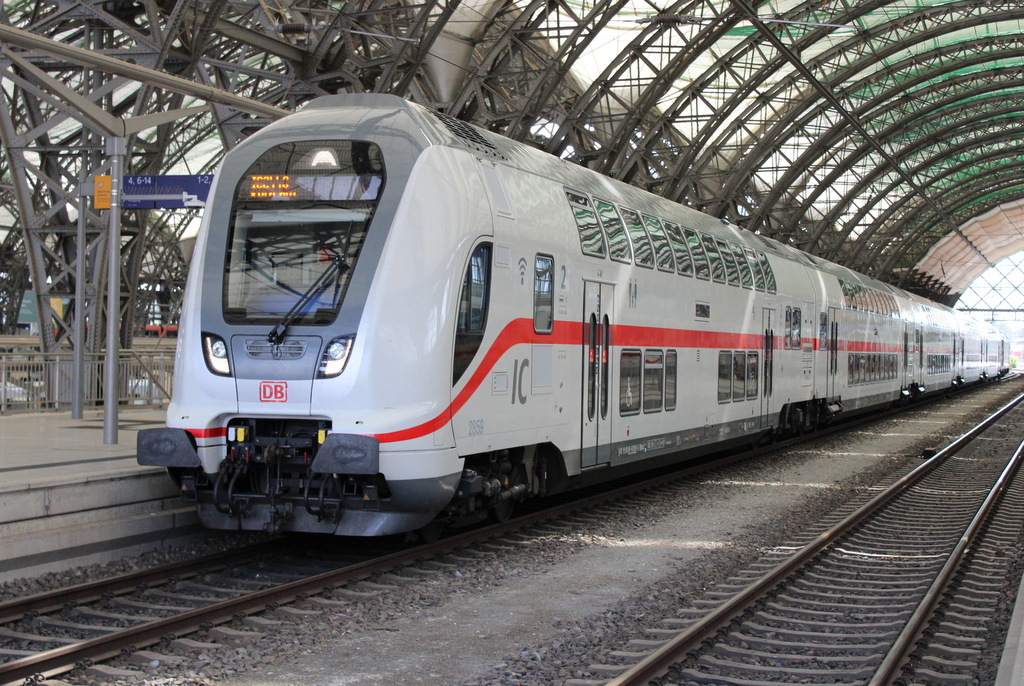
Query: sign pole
(111, 397)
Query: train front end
(275, 415)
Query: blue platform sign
(165, 191)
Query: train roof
(436, 128)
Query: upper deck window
(642, 252)
(732, 271)
(298, 222)
(700, 258)
(675, 236)
(591, 240)
(662, 249)
(618, 241)
(717, 268)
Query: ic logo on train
(273, 391)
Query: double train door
(597, 377)
(768, 318)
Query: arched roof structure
(881, 134)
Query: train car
(396, 321)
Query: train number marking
(476, 427)
(273, 391)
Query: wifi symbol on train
(522, 271)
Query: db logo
(273, 391)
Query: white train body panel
(504, 324)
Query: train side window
(751, 375)
(629, 382)
(591, 239)
(543, 293)
(717, 268)
(473, 305)
(756, 267)
(789, 328)
(724, 376)
(769, 276)
(746, 276)
(851, 365)
(732, 271)
(671, 364)
(797, 333)
(662, 249)
(700, 258)
(615, 230)
(684, 264)
(739, 375)
(654, 380)
(643, 255)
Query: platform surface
(49, 447)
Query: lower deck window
(737, 375)
(654, 386)
(670, 380)
(724, 376)
(629, 382)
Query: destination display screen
(283, 187)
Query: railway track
(902, 586)
(52, 633)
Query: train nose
(275, 377)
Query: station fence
(34, 381)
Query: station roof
(884, 135)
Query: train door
(908, 357)
(832, 360)
(768, 353)
(597, 415)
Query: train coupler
(279, 515)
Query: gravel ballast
(542, 611)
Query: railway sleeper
(772, 644)
(822, 636)
(768, 670)
(848, 615)
(794, 659)
(932, 676)
(866, 627)
(63, 624)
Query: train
(396, 321)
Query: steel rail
(59, 660)
(891, 667)
(49, 601)
(658, 663)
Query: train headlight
(216, 354)
(336, 356)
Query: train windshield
(300, 216)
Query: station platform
(1011, 665)
(67, 499)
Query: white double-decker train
(396, 320)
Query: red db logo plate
(273, 391)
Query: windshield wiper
(333, 270)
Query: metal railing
(33, 381)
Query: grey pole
(80, 275)
(116, 150)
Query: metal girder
(244, 58)
(696, 105)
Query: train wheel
(501, 513)
(503, 510)
(431, 532)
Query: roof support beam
(852, 120)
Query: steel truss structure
(690, 99)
